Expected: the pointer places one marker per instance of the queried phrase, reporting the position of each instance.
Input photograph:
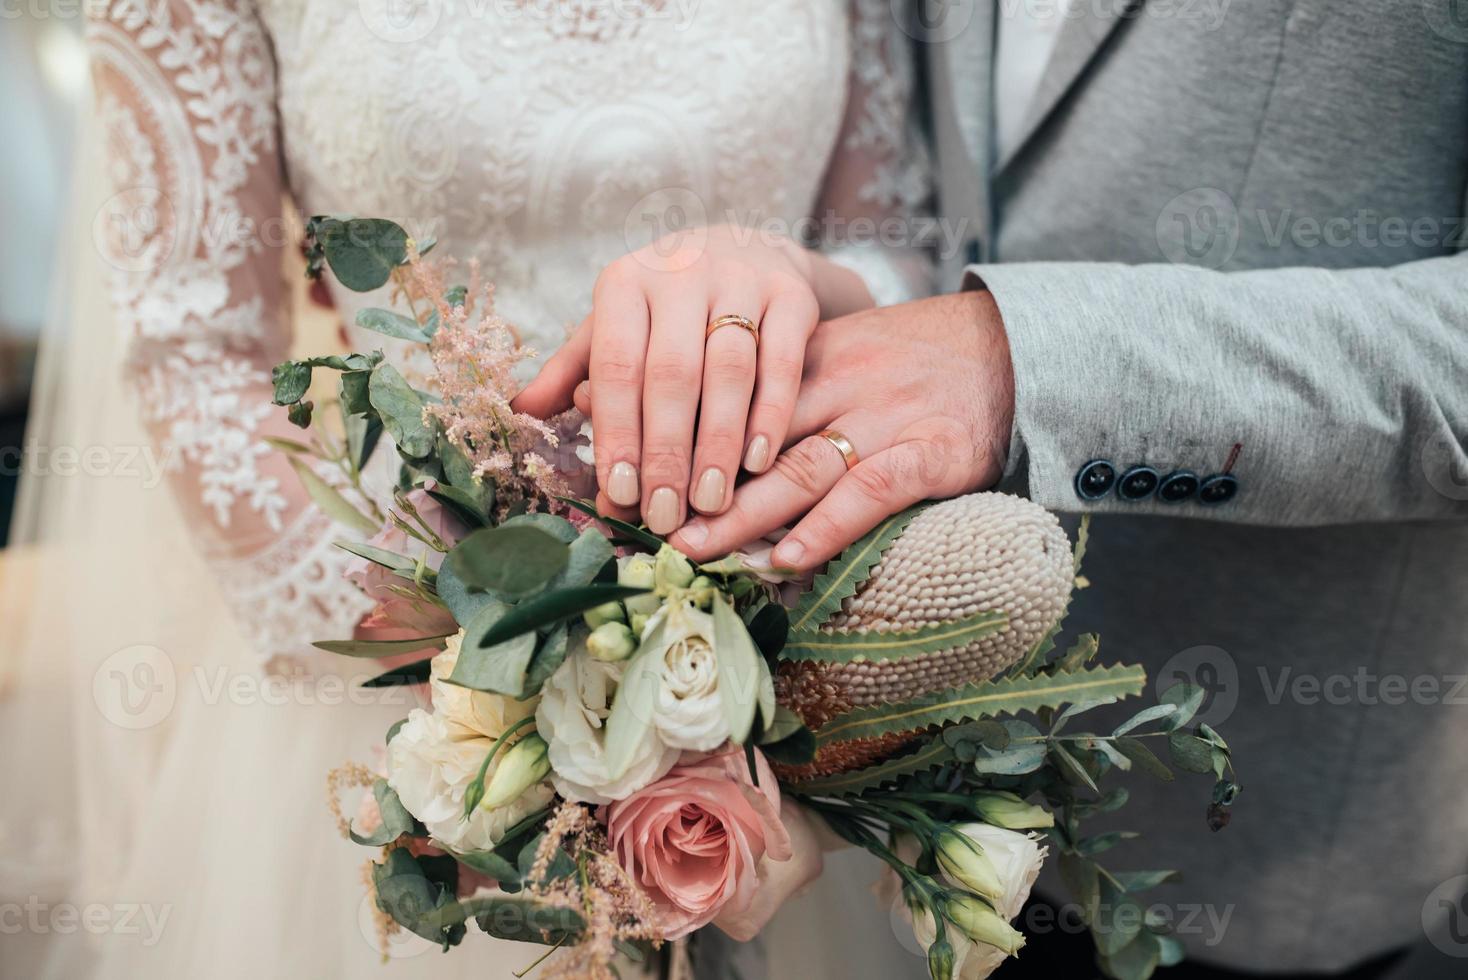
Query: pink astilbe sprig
(475, 353)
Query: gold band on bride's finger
(733, 320)
(843, 446)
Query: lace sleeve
(185, 94)
(877, 195)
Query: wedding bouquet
(616, 731)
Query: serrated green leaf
(1005, 695)
(391, 324)
(330, 500)
(930, 756)
(401, 409)
(846, 572)
(1081, 652)
(873, 645)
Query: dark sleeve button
(1177, 486)
(1095, 479)
(1137, 483)
(1218, 489)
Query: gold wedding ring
(733, 320)
(843, 446)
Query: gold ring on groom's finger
(733, 320)
(843, 446)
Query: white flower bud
(1009, 811)
(607, 612)
(611, 642)
(518, 769)
(673, 570)
(979, 922)
(965, 862)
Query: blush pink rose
(694, 839)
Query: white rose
(688, 713)
(1016, 858)
(484, 712)
(574, 704)
(431, 762)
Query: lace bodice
(543, 137)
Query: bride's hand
(655, 366)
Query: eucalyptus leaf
(362, 252)
(1187, 699)
(1140, 881)
(1118, 919)
(1190, 753)
(396, 820)
(1141, 718)
(552, 524)
(291, 380)
(391, 324)
(550, 653)
(510, 560)
(1143, 758)
(462, 601)
(401, 409)
(500, 667)
(406, 893)
(1137, 960)
(552, 607)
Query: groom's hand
(924, 394)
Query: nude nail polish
(622, 484)
(757, 455)
(708, 495)
(663, 512)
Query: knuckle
(616, 368)
(876, 483)
(820, 527)
(729, 364)
(801, 465)
(671, 371)
(720, 442)
(615, 277)
(782, 368)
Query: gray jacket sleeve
(1345, 391)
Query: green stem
(488, 758)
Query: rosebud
(673, 570)
(976, 920)
(611, 642)
(638, 573)
(639, 624)
(965, 862)
(607, 612)
(518, 769)
(1009, 811)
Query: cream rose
(484, 712)
(688, 714)
(574, 704)
(432, 760)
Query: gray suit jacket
(1236, 230)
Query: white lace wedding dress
(543, 137)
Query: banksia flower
(982, 552)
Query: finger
(669, 403)
(619, 344)
(875, 489)
(606, 508)
(582, 398)
(800, 477)
(729, 358)
(788, 322)
(550, 392)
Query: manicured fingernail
(788, 554)
(663, 511)
(708, 496)
(757, 455)
(622, 484)
(694, 533)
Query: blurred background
(43, 76)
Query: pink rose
(694, 840)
